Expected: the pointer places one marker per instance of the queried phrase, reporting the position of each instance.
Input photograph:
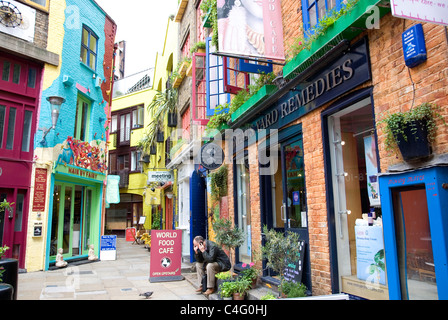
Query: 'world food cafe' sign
(344, 74)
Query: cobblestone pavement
(122, 279)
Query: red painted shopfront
(20, 82)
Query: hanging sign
(160, 176)
(166, 256)
(432, 11)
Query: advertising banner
(166, 256)
(370, 254)
(432, 11)
(251, 28)
(372, 171)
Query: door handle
(283, 212)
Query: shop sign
(432, 11)
(79, 172)
(160, 176)
(342, 75)
(294, 271)
(40, 190)
(166, 255)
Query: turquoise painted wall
(77, 14)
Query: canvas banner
(251, 28)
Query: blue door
(198, 209)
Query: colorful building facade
(70, 150)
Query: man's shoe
(209, 291)
(199, 289)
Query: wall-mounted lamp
(55, 103)
(169, 195)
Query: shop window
(89, 46)
(82, 119)
(354, 174)
(215, 80)
(315, 10)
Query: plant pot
(238, 296)
(160, 136)
(227, 298)
(417, 145)
(172, 119)
(153, 150)
(11, 274)
(6, 292)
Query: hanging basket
(413, 141)
(153, 150)
(160, 137)
(172, 119)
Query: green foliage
(223, 275)
(218, 183)
(210, 7)
(304, 42)
(226, 289)
(395, 124)
(220, 117)
(155, 221)
(2, 252)
(175, 73)
(5, 205)
(280, 250)
(197, 46)
(293, 290)
(250, 273)
(268, 296)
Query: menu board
(294, 271)
(40, 190)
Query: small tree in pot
(228, 236)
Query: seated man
(210, 259)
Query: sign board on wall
(40, 190)
(166, 256)
(25, 30)
(432, 11)
(160, 176)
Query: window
(135, 160)
(27, 124)
(215, 81)
(114, 124)
(82, 119)
(123, 162)
(138, 117)
(199, 89)
(40, 4)
(16, 127)
(314, 10)
(125, 128)
(186, 124)
(89, 48)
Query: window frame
(306, 7)
(87, 47)
(86, 114)
(31, 3)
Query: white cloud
(142, 24)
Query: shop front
(76, 205)
(320, 127)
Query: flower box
(254, 101)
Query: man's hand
(201, 247)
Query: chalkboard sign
(294, 271)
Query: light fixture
(169, 195)
(55, 103)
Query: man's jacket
(213, 253)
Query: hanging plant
(413, 130)
(218, 183)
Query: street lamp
(55, 103)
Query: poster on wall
(432, 11)
(370, 254)
(251, 28)
(372, 171)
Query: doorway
(284, 205)
(13, 224)
(71, 227)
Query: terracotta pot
(238, 296)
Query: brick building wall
(392, 91)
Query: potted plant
(228, 236)
(412, 131)
(280, 250)
(250, 273)
(172, 119)
(226, 290)
(240, 287)
(291, 289)
(160, 136)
